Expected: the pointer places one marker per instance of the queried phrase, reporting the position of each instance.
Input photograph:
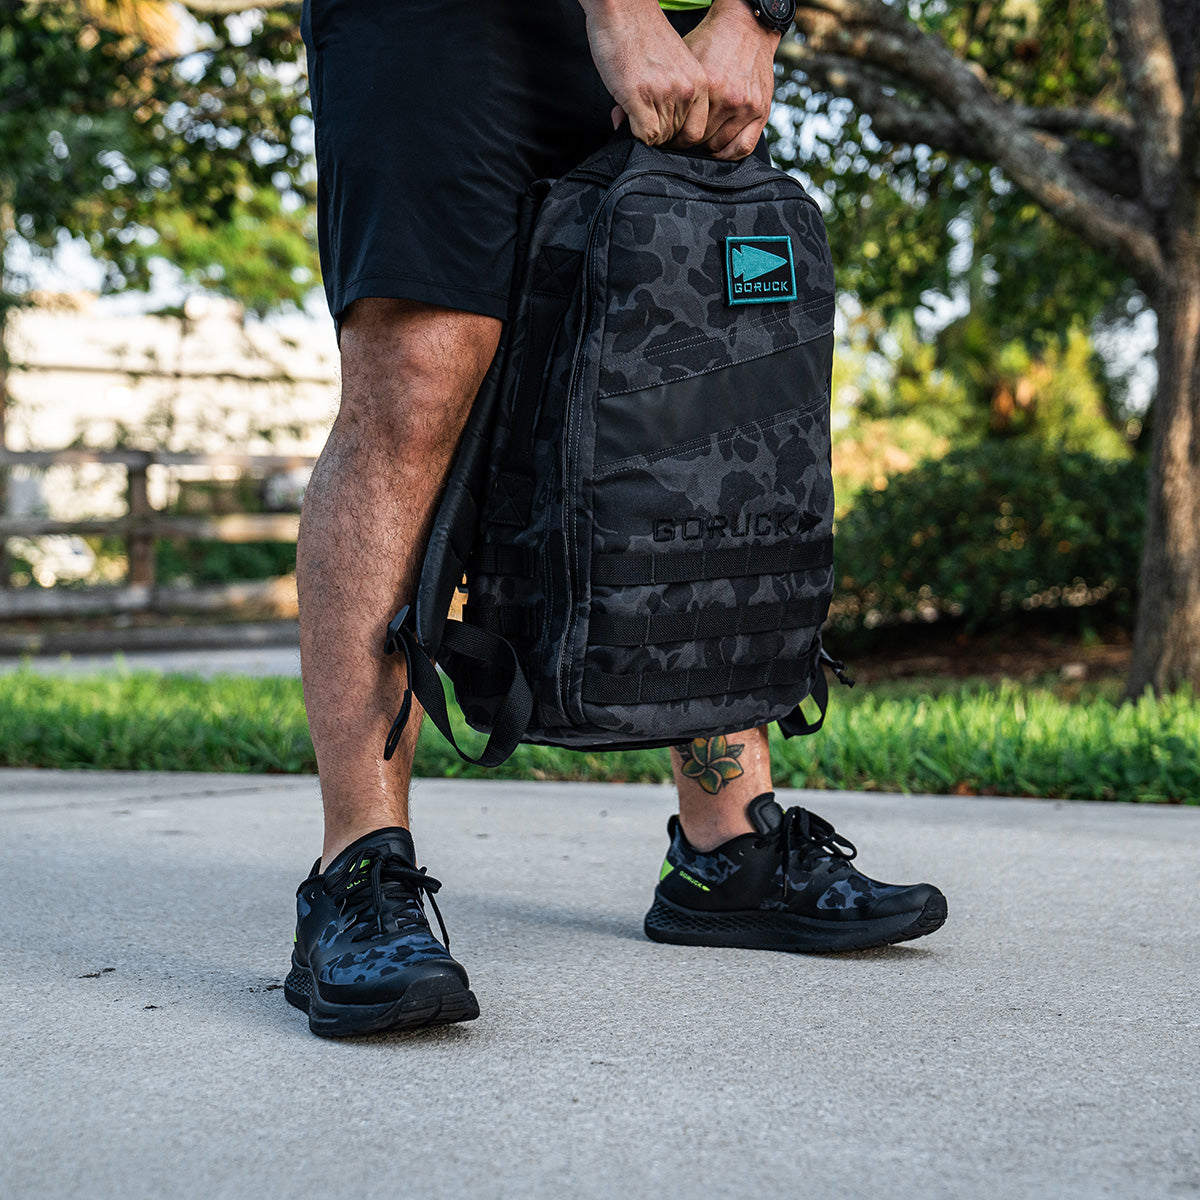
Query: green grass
(938, 736)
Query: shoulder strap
(459, 642)
(456, 521)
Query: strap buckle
(393, 643)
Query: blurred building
(204, 381)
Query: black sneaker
(365, 958)
(741, 895)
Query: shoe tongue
(394, 840)
(764, 813)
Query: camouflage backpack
(641, 506)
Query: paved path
(257, 660)
(1045, 1044)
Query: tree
(1116, 165)
(200, 158)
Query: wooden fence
(139, 528)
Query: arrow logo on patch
(749, 263)
(759, 269)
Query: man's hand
(738, 55)
(655, 80)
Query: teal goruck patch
(759, 270)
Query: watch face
(779, 10)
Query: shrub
(200, 562)
(989, 531)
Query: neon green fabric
(677, 4)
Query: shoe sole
(440, 1000)
(759, 930)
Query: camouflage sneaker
(789, 886)
(365, 959)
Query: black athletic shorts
(432, 118)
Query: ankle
(336, 840)
(705, 830)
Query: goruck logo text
(759, 270)
(783, 523)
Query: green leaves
(913, 226)
(992, 530)
(201, 160)
(151, 722)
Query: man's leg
(365, 958)
(409, 374)
(716, 779)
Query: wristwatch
(774, 14)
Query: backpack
(641, 505)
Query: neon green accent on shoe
(666, 870)
(694, 881)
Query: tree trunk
(1166, 650)
(5, 307)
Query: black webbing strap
(556, 271)
(613, 158)
(796, 723)
(692, 566)
(544, 315)
(463, 642)
(607, 629)
(667, 686)
(511, 500)
(507, 620)
(494, 559)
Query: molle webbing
(667, 687)
(690, 566)
(606, 629)
(507, 620)
(493, 559)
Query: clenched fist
(654, 78)
(712, 89)
(738, 57)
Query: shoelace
(804, 831)
(393, 881)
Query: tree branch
(1118, 126)
(872, 32)
(1155, 95)
(1113, 168)
(892, 119)
(1189, 176)
(1181, 19)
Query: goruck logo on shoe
(759, 270)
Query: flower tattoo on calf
(711, 762)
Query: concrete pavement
(258, 661)
(1045, 1043)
